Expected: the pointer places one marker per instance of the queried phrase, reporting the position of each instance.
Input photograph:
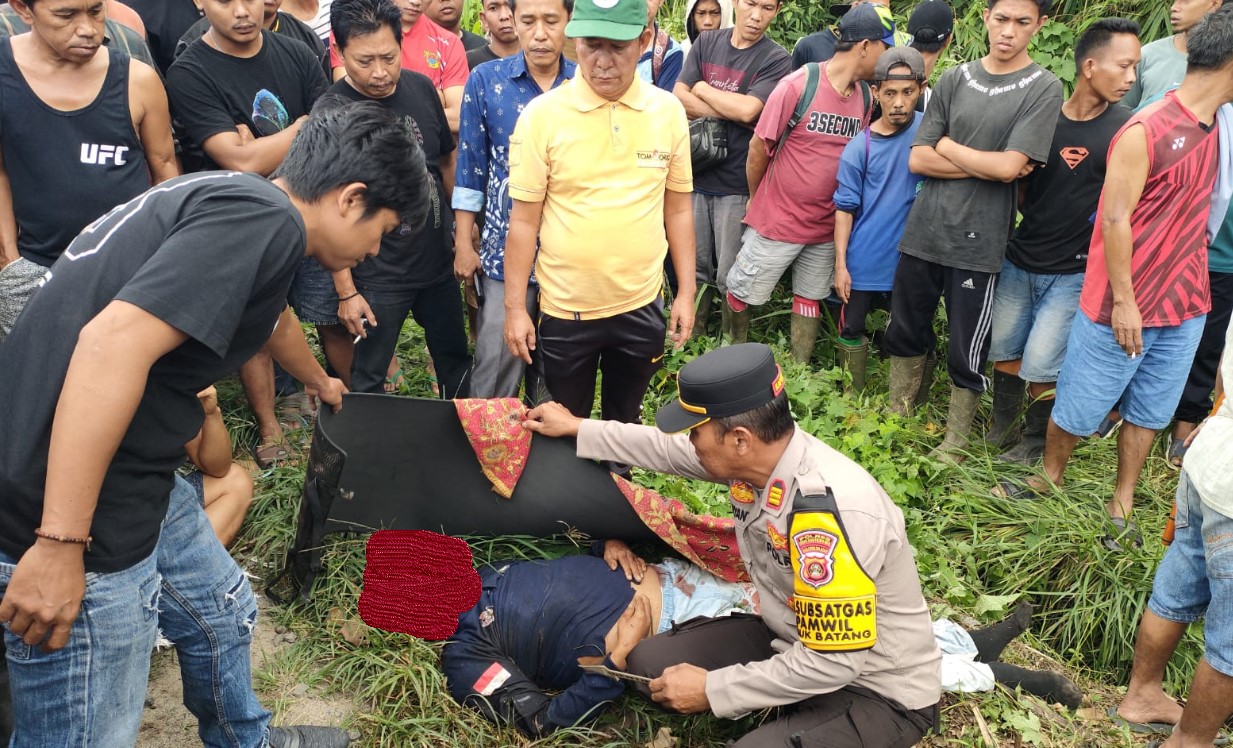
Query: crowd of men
(174, 174)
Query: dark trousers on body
(919, 285)
(851, 717)
(1196, 400)
(627, 349)
(437, 309)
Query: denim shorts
(1032, 313)
(762, 263)
(1097, 373)
(1195, 577)
(312, 294)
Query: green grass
(977, 556)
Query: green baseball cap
(619, 20)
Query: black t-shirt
(212, 92)
(286, 24)
(1061, 198)
(210, 254)
(410, 258)
(166, 21)
(472, 40)
(753, 71)
(480, 55)
(817, 47)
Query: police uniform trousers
(851, 717)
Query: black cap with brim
(725, 382)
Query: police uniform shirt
(904, 663)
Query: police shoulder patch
(774, 494)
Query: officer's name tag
(655, 159)
(836, 624)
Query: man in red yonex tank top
(1146, 292)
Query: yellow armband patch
(835, 601)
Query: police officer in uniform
(844, 640)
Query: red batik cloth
(501, 444)
(417, 582)
(709, 542)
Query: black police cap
(722, 383)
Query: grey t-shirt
(965, 223)
(1161, 68)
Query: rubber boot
(738, 324)
(906, 373)
(1004, 428)
(706, 299)
(926, 379)
(959, 417)
(804, 333)
(1031, 448)
(854, 358)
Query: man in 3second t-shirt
(791, 215)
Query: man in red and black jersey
(1145, 295)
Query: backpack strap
(658, 52)
(812, 73)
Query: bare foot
(1152, 706)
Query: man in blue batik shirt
(494, 96)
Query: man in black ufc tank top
(82, 130)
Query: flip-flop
(267, 455)
(1139, 728)
(1125, 529)
(1019, 490)
(1177, 452)
(395, 383)
(1108, 426)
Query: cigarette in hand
(363, 322)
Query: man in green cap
(844, 640)
(600, 173)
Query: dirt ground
(167, 724)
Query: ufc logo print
(93, 153)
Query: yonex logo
(1179, 142)
(93, 153)
(969, 284)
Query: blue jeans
(1032, 313)
(1097, 373)
(91, 692)
(1195, 577)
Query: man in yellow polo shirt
(600, 172)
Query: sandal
(395, 383)
(1139, 728)
(432, 379)
(1018, 490)
(268, 455)
(1126, 537)
(1177, 452)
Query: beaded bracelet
(86, 541)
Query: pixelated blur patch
(417, 582)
